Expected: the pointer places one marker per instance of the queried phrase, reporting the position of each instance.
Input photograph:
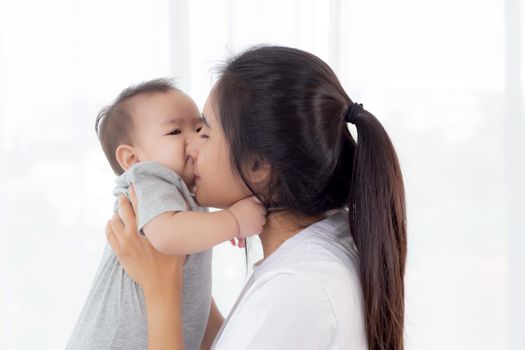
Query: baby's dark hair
(114, 124)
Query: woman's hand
(161, 276)
(145, 265)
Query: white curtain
(444, 77)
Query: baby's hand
(238, 242)
(250, 215)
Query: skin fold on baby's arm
(187, 232)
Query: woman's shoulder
(323, 256)
(326, 246)
(325, 268)
(322, 297)
(282, 310)
(308, 287)
(321, 259)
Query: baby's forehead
(171, 107)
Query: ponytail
(378, 224)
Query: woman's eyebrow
(205, 121)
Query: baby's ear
(126, 156)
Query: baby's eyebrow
(205, 121)
(173, 121)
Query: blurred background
(444, 77)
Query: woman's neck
(281, 226)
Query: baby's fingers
(262, 208)
(241, 242)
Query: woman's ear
(126, 156)
(259, 171)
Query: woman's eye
(201, 135)
(174, 132)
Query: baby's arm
(187, 232)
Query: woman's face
(216, 184)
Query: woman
(335, 239)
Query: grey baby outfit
(114, 315)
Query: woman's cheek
(201, 194)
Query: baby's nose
(189, 139)
(190, 147)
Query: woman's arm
(160, 276)
(215, 321)
(165, 318)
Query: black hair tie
(353, 112)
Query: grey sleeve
(158, 189)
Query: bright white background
(445, 77)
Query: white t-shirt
(305, 295)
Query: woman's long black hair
(288, 107)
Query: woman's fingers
(117, 226)
(126, 213)
(133, 198)
(146, 244)
(112, 239)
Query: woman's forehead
(208, 112)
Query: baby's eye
(175, 132)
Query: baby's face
(163, 125)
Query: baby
(144, 135)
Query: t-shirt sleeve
(285, 312)
(158, 190)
